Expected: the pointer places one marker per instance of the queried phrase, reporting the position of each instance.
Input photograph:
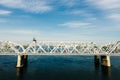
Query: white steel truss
(58, 48)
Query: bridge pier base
(96, 59)
(105, 61)
(21, 60)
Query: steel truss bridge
(59, 48)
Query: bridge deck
(59, 54)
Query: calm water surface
(58, 68)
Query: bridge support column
(105, 61)
(21, 60)
(96, 59)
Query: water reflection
(106, 73)
(97, 71)
(20, 72)
(102, 72)
(58, 68)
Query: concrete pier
(105, 60)
(21, 60)
(96, 59)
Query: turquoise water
(58, 68)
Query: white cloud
(25, 32)
(105, 4)
(110, 8)
(5, 12)
(82, 13)
(76, 24)
(76, 12)
(36, 6)
(19, 35)
(114, 16)
(68, 3)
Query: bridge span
(60, 48)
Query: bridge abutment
(105, 60)
(21, 60)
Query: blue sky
(95, 20)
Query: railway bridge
(60, 48)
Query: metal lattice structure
(59, 48)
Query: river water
(58, 68)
